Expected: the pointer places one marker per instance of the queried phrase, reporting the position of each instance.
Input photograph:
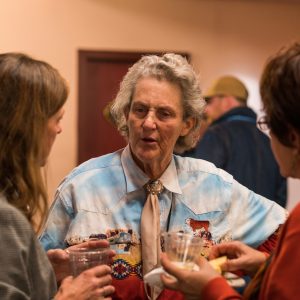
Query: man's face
(214, 108)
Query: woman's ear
(295, 138)
(189, 123)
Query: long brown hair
(31, 91)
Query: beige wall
(222, 36)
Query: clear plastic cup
(82, 259)
(183, 249)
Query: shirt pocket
(100, 203)
(213, 225)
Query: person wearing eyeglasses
(234, 143)
(278, 276)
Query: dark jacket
(234, 143)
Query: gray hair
(170, 67)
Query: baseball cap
(227, 85)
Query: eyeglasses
(263, 124)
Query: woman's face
(155, 121)
(287, 157)
(53, 128)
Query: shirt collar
(136, 178)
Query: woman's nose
(150, 121)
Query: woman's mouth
(149, 140)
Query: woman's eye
(139, 110)
(164, 114)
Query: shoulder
(103, 164)
(10, 214)
(200, 168)
(199, 179)
(25, 270)
(216, 134)
(13, 223)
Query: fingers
(97, 244)
(92, 244)
(169, 282)
(105, 280)
(202, 262)
(68, 280)
(232, 265)
(230, 249)
(111, 253)
(173, 275)
(215, 252)
(233, 251)
(170, 267)
(104, 288)
(57, 255)
(101, 275)
(107, 290)
(175, 278)
(100, 270)
(98, 277)
(90, 284)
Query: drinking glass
(183, 249)
(82, 259)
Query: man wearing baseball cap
(233, 142)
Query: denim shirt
(104, 198)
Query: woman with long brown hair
(32, 98)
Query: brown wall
(222, 36)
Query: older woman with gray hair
(172, 68)
(129, 197)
